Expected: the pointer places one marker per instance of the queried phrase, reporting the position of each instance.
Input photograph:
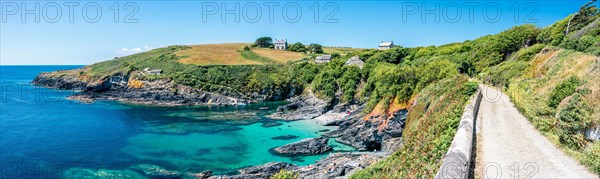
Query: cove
(43, 134)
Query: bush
(592, 157)
(297, 47)
(389, 82)
(436, 70)
(314, 48)
(562, 90)
(285, 174)
(528, 53)
(574, 117)
(500, 75)
(263, 42)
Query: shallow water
(44, 135)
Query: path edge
(457, 161)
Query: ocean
(45, 135)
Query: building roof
(386, 44)
(355, 60)
(323, 57)
(280, 41)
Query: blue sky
(57, 40)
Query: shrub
(562, 90)
(528, 53)
(592, 157)
(573, 118)
(500, 75)
(285, 174)
(297, 47)
(263, 42)
(314, 48)
(436, 70)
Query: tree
(263, 42)
(315, 48)
(584, 15)
(297, 47)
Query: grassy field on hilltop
(278, 56)
(233, 54)
(343, 51)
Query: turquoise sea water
(45, 135)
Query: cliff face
(122, 88)
(373, 134)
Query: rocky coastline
(377, 133)
(161, 92)
(333, 166)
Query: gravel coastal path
(509, 146)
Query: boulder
(304, 147)
(202, 175)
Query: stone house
(355, 60)
(280, 44)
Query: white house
(386, 45)
(280, 44)
(355, 60)
(323, 59)
(152, 71)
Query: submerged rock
(202, 175)
(155, 171)
(101, 173)
(285, 137)
(271, 124)
(304, 147)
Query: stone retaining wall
(457, 161)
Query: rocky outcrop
(333, 166)
(304, 147)
(301, 107)
(67, 81)
(201, 175)
(592, 133)
(162, 92)
(339, 165)
(261, 171)
(372, 134)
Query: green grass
(250, 55)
